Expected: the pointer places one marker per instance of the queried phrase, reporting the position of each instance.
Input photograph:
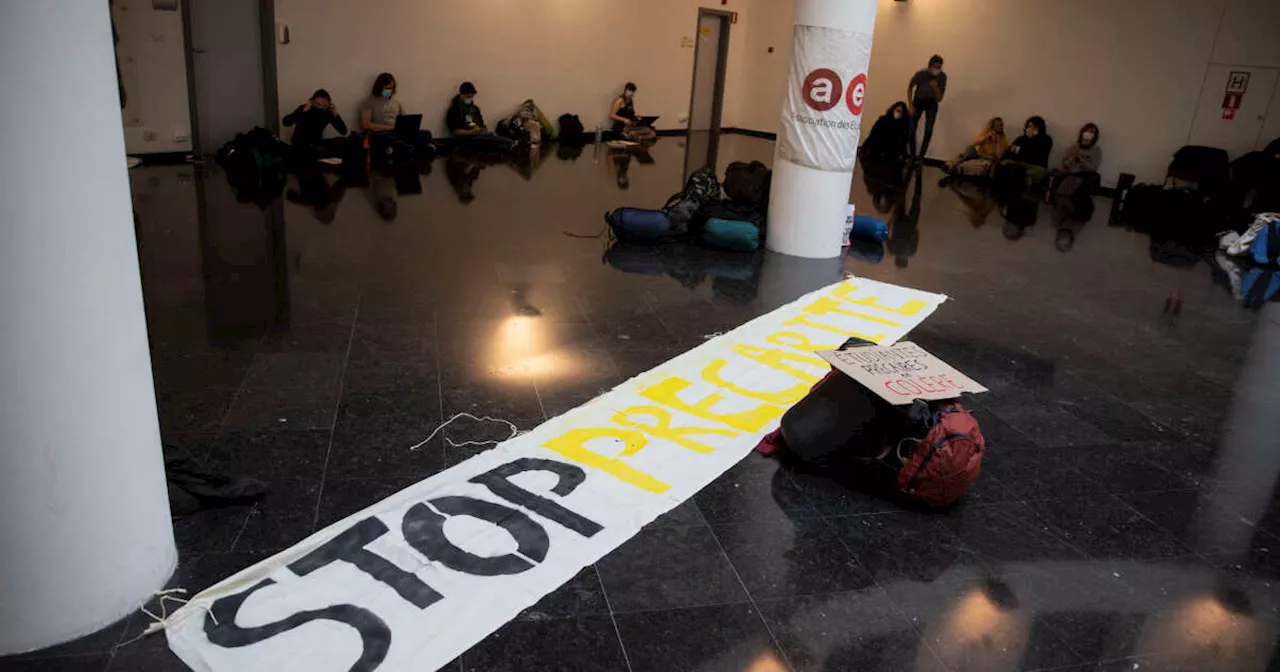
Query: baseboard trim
(163, 158)
(753, 133)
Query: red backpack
(947, 461)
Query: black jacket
(456, 118)
(888, 138)
(1033, 151)
(311, 124)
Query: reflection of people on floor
(625, 119)
(466, 123)
(318, 193)
(978, 203)
(462, 172)
(382, 193)
(904, 225)
(888, 139)
(309, 122)
(622, 164)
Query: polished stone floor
(1126, 517)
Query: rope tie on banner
(515, 431)
(164, 619)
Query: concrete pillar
(85, 535)
(821, 118)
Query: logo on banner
(823, 89)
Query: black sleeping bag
(838, 419)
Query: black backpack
(685, 208)
(570, 126)
(748, 183)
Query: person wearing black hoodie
(466, 123)
(888, 139)
(1031, 150)
(310, 120)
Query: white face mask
(1087, 136)
(897, 115)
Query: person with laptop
(309, 122)
(466, 123)
(391, 133)
(625, 119)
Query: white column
(85, 535)
(807, 205)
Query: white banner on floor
(413, 581)
(822, 113)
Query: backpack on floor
(701, 189)
(571, 126)
(1265, 248)
(748, 183)
(946, 462)
(637, 226)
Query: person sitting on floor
(1031, 149)
(887, 142)
(378, 119)
(310, 121)
(466, 122)
(1079, 173)
(380, 110)
(625, 119)
(978, 158)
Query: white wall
(1135, 67)
(568, 55)
(157, 117)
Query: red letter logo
(857, 94)
(821, 89)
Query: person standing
(925, 91)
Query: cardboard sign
(411, 582)
(902, 373)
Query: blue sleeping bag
(1265, 249)
(868, 228)
(635, 225)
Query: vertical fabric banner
(822, 114)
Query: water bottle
(599, 133)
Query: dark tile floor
(1126, 518)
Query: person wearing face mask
(380, 110)
(623, 114)
(1031, 150)
(466, 122)
(925, 91)
(1079, 166)
(887, 141)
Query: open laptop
(407, 126)
(646, 121)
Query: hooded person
(887, 141)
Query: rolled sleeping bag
(832, 418)
(639, 226)
(866, 227)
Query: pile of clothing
(1249, 260)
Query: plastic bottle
(599, 133)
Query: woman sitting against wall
(1079, 169)
(1026, 162)
(979, 157)
(888, 139)
(624, 117)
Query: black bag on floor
(571, 126)
(748, 183)
(840, 418)
(685, 208)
